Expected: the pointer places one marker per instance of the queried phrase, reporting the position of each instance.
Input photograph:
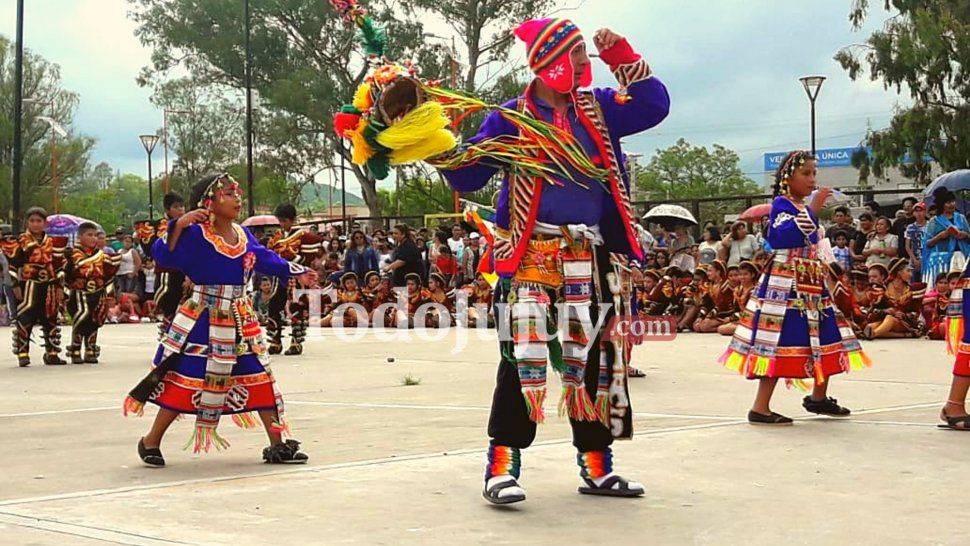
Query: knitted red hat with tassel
(549, 43)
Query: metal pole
(343, 191)
(165, 147)
(54, 164)
(813, 126)
(151, 210)
(249, 116)
(18, 111)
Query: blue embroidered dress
(216, 335)
(790, 327)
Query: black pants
(509, 423)
(37, 308)
(168, 293)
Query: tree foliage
(306, 62)
(44, 96)
(682, 172)
(922, 50)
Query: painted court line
(399, 459)
(84, 531)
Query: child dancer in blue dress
(211, 359)
(790, 328)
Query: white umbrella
(670, 214)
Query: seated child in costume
(347, 295)
(696, 300)
(748, 273)
(901, 317)
(416, 296)
(479, 294)
(442, 314)
(844, 297)
(934, 308)
(383, 308)
(721, 306)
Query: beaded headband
(796, 160)
(221, 183)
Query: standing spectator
(457, 242)
(866, 229)
(470, 260)
(361, 258)
(903, 219)
(8, 303)
(126, 280)
(843, 223)
(873, 208)
(740, 244)
(406, 258)
(710, 247)
(914, 236)
(446, 265)
(841, 250)
(681, 243)
(947, 233)
(881, 247)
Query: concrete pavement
(395, 464)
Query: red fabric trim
(961, 366)
(615, 187)
(793, 367)
(620, 54)
(178, 398)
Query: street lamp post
(812, 84)
(149, 142)
(165, 113)
(18, 106)
(249, 114)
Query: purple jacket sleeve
(647, 105)
(270, 263)
(474, 176)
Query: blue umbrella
(955, 181)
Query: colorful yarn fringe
(595, 464)
(133, 407)
(245, 420)
(575, 402)
(954, 334)
(503, 461)
(534, 400)
(539, 150)
(204, 438)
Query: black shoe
(773, 419)
(23, 360)
(830, 406)
(275, 349)
(74, 353)
(294, 350)
(286, 453)
(90, 358)
(150, 456)
(52, 359)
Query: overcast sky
(732, 68)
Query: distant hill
(320, 193)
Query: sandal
(961, 423)
(773, 419)
(635, 372)
(613, 486)
(492, 494)
(286, 453)
(150, 456)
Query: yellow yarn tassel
(418, 135)
(954, 334)
(245, 420)
(362, 150)
(133, 407)
(859, 360)
(363, 100)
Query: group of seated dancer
(882, 302)
(709, 300)
(348, 302)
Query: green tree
(44, 97)
(122, 202)
(922, 48)
(682, 172)
(206, 131)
